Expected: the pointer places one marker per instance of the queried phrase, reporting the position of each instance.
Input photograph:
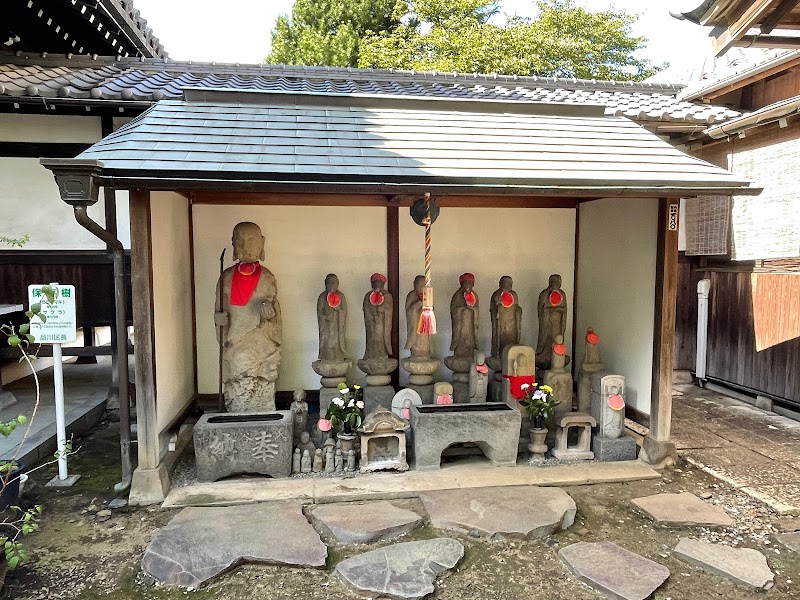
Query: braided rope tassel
(427, 319)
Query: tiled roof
(293, 139)
(149, 80)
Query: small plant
(15, 242)
(538, 403)
(345, 410)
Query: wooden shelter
(528, 188)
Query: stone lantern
(383, 441)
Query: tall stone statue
(552, 311)
(250, 318)
(420, 365)
(464, 315)
(506, 315)
(591, 364)
(558, 378)
(332, 320)
(299, 410)
(378, 306)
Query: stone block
(425, 392)
(611, 449)
(377, 395)
(682, 510)
(744, 566)
(233, 443)
(364, 523)
(492, 426)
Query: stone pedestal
(420, 370)
(460, 388)
(425, 392)
(332, 372)
(561, 382)
(612, 449)
(585, 385)
(377, 395)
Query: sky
(198, 30)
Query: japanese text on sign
(60, 326)
(673, 217)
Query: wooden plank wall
(732, 355)
(686, 318)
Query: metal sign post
(59, 327)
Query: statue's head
(505, 283)
(614, 389)
(299, 395)
(331, 282)
(406, 403)
(555, 282)
(559, 339)
(305, 437)
(521, 360)
(480, 358)
(378, 281)
(467, 281)
(248, 243)
(419, 283)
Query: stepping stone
(790, 540)
(682, 510)
(613, 571)
(513, 512)
(200, 543)
(364, 523)
(405, 571)
(744, 566)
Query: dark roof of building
(104, 27)
(369, 143)
(126, 80)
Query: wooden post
(142, 285)
(393, 276)
(664, 322)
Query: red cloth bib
(469, 298)
(507, 299)
(555, 298)
(244, 282)
(334, 299)
(516, 384)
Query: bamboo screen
(707, 222)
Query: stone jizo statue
(418, 344)
(338, 461)
(464, 315)
(296, 460)
(305, 462)
(332, 320)
(319, 458)
(299, 410)
(306, 443)
(591, 364)
(378, 306)
(506, 315)
(552, 312)
(558, 378)
(478, 379)
(250, 318)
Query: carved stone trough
(235, 443)
(492, 426)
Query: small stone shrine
(333, 364)
(403, 401)
(378, 308)
(464, 316)
(383, 442)
(608, 408)
(552, 313)
(236, 443)
(478, 379)
(247, 316)
(591, 364)
(559, 378)
(420, 365)
(581, 449)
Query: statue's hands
(221, 319)
(267, 311)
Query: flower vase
(347, 441)
(537, 447)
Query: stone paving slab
(201, 543)
(406, 571)
(699, 439)
(614, 571)
(759, 475)
(392, 486)
(781, 452)
(783, 498)
(682, 510)
(731, 454)
(790, 540)
(502, 512)
(364, 523)
(744, 566)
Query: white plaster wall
(172, 305)
(303, 245)
(616, 288)
(527, 244)
(66, 129)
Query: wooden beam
(773, 20)
(40, 150)
(769, 41)
(725, 40)
(143, 333)
(393, 277)
(574, 367)
(194, 298)
(300, 199)
(664, 321)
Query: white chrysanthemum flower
(344, 391)
(351, 404)
(338, 402)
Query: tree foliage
(563, 40)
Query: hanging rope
(427, 319)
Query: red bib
(334, 299)
(555, 298)
(244, 282)
(516, 384)
(469, 298)
(507, 299)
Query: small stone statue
(329, 454)
(296, 460)
(249, 325)
(478, 379)
(552, 311)
(506, 315)
(591, 364)
(351, 461)
(464, 315)
(518, 371)
(332, 319)
(305, 462)
(318, 460)
(338, 461)
(306, 443)
(299, 409)
(558, 378)
(378, 307)
(405, 412)
(443, 392)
